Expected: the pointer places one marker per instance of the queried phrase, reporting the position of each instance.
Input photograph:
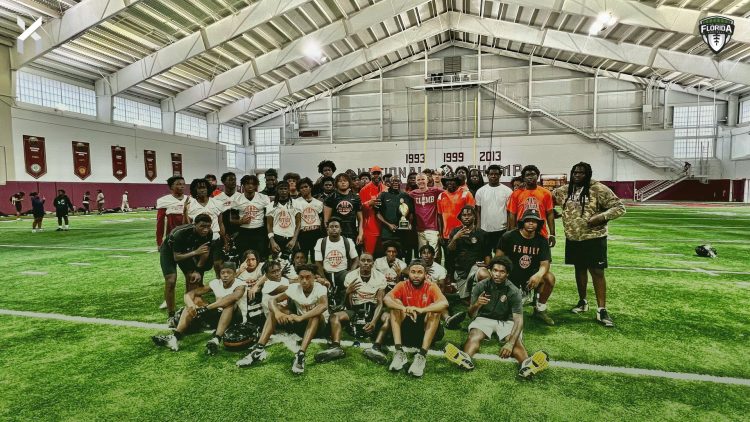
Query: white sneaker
(399, 361)
(417, 367)
(168, 341)
(212, 346)
(163, 305)
(256, 355)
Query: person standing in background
(62, 206)
(85, 202)
(125, 206)
(492, 199)
(37, 209)
(17, 201)
(100, 201)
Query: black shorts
(491, 240)
(299, 328)
(38, 214)
(18, 206)
(211, 317)
(590, 253)
(169, 265)
(256, 239)
(217, 250)
(412, 333)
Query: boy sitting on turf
(493, 301)
(310, 299)
(228, 309)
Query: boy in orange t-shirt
(532, 196)
(449, 205)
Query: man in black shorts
(415, 307)
(188, 247)
(62, 207)
(587, 206)
(365, 289)
(310, 300)
(530, 254)
(347, 206)
(227, 310)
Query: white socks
(541, 307)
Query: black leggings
(307, 241)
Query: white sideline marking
(33, 273)
(80, 264)
(290, 342)
(119, 256)
(77, 248)
(683, 270)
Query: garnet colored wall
(139, 194)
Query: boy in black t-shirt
(530, 254)
(467, 253)
(347, 206)
(389, 214)
(62, 206)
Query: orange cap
(373, 169)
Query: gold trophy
(403, 223)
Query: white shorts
(428, 237)
(490, 326)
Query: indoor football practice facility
(358, 210)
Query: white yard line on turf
(684, 270)
(481, 356)
(78, 248)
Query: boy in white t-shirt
(229, 308)
(365, 289)
(310, 300)
(282, 222)
(390, 265)
(334, 255)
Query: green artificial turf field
(690, 317)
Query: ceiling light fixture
(604, 21)
(313, 51)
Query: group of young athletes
(393, 263)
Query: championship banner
(81, 159)
(119, 162)
(35, 156)
(176, 164)
(149, 159)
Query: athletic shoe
(417, 367)
(172, 322)
(399, 360)
(582, 306)
(543, 317)
(163, 305)
(454, 321)
(375, 355)
(534, 364)
(256, 355)
(59, 229)
(603, 317)
(168, 341)
(330, 354)
(298, 364)
(459, 357)
(212, 346)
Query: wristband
(270, 235)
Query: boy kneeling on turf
(493, 301)
(229, 309)
(310, 299)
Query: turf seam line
(480, 356)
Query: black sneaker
(376, 355)
(59, 229)
(212, 346)
(298, 364)
(330, 354)
(582, 306)
(454, 321)
(603, 317)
